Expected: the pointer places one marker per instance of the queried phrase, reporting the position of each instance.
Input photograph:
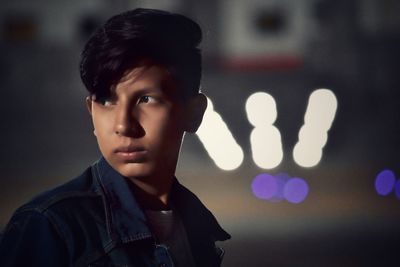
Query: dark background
(285, 48)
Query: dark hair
(129, 38)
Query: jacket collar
(125, 219)
(199, 222)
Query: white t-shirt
(170, 232)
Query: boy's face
(140, 127)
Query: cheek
(164, 127)
(102, 129)
(170, 124)
(102, 123)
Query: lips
(128, 149)
(132, 154)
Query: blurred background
(328, 195)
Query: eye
(147, 99)
(105, 101)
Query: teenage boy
(142, 70)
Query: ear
(89, 104)
(195, 110)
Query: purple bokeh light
(295, 190)
(264, 186)
(397, 189)
(384, 182)
(281, 179)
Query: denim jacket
(94, 220)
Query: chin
(135, 170)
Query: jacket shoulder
(69, 217)
(72, 191)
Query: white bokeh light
(265, 139)
(219, 141)
(261, 109)
(313, 135)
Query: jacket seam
(96, 177)
(47, 204)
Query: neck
(153, 193)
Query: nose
(126, 122)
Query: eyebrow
(145, 90)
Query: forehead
(147, 77)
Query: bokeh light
(261, 109)
(218, 140)
(278, 187)
(265, 138)
(321, 109)
(281, 179)
(296, 190)
(318, 119)
(264, 186)
(384, 182)
(266, 146)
